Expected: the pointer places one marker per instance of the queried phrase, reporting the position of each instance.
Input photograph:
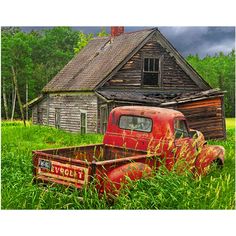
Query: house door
(103, 118)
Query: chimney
(117, 30)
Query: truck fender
(207, 156)
(118, 176)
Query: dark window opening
(150, 79)
(151, 72)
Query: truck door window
(181, 130)
(136, 123)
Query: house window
(83, 122)
(151, 71)
(57, 118)
(103, 118)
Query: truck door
(185, 149)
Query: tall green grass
(162, 191)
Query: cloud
(226, 47)
(201, 40)
(187, 40)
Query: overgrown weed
(164, 190)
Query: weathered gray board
(70, 105)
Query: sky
(187, 40)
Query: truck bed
(77, 165)
(89, 153)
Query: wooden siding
(40, 109)
(70, 105)
(172, 76)
(206, 116)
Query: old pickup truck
(137, 142)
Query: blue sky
(187, 40)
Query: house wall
(39, 112)
(70, 106)
(172, 75)
(206, 116)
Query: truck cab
(164, 133)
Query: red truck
(137, 142)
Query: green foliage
(16, 52)
(83, 41)
(103, 33)
(219, 72)
(165, 190)
(36, 57)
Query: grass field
(168, 191)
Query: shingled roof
(96, 61)
(103, 56)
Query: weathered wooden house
(136, 68)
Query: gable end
(170, 73)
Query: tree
(83, 41)
(85, 38)
(219, 72)
(36, 57)
(15, 58)
(52, 50)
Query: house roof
(95, 62)
(103, 56)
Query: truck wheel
(215, 165)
